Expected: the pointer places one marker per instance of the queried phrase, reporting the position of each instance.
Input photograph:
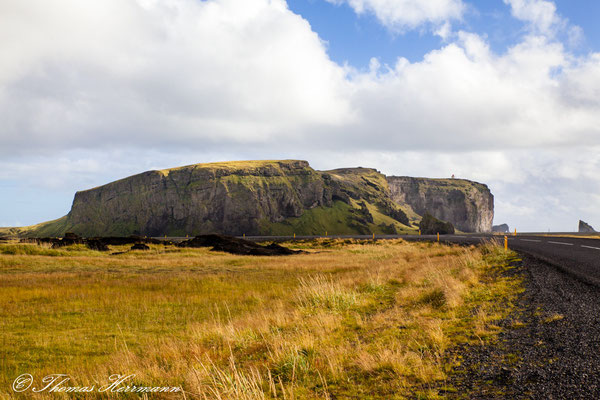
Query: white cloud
(444, 31)
(203, 75)
(543, 19)
(575, 36)
(407, 14)
(214, 70)
(540, 13)
(581, 83)
(183, 81)
(464, 96)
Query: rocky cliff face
(468, 205)
(269, 198)
(233, 198)
(253, 198)
(585, 227)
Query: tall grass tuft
(319, 292)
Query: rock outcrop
(502, 228)
(269, 198)
(468, 205)
(235, 198)
(430, 225)
(585, 227)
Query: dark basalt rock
(389, 229)
(430, 225)
(585, 227)
(133, 239)
(69, 239)
(96, 244)
(140, 246)
(502, 228)
(365, 213)
(234, 245)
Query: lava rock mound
(97, 243)
(230, 244)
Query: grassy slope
(229, 165)
(368, 320)
(50, 228)
(447, 184)
(336, 220)
(316, 221)
(367, 181)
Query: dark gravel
(539, 357)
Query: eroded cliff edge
(468, 205)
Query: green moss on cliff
(316, 221)
(380, 218)
(365, 182)
(236, 166)
(340, 219)
(448, 184)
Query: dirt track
(550, 347)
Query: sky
(504, 92)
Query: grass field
(369, 320)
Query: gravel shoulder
(549, 347)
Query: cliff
(269, 198)
(468, 205)
(251, 197)
(222, 197)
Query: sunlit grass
(348, 319)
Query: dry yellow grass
(350, 319)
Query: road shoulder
(549, 346)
